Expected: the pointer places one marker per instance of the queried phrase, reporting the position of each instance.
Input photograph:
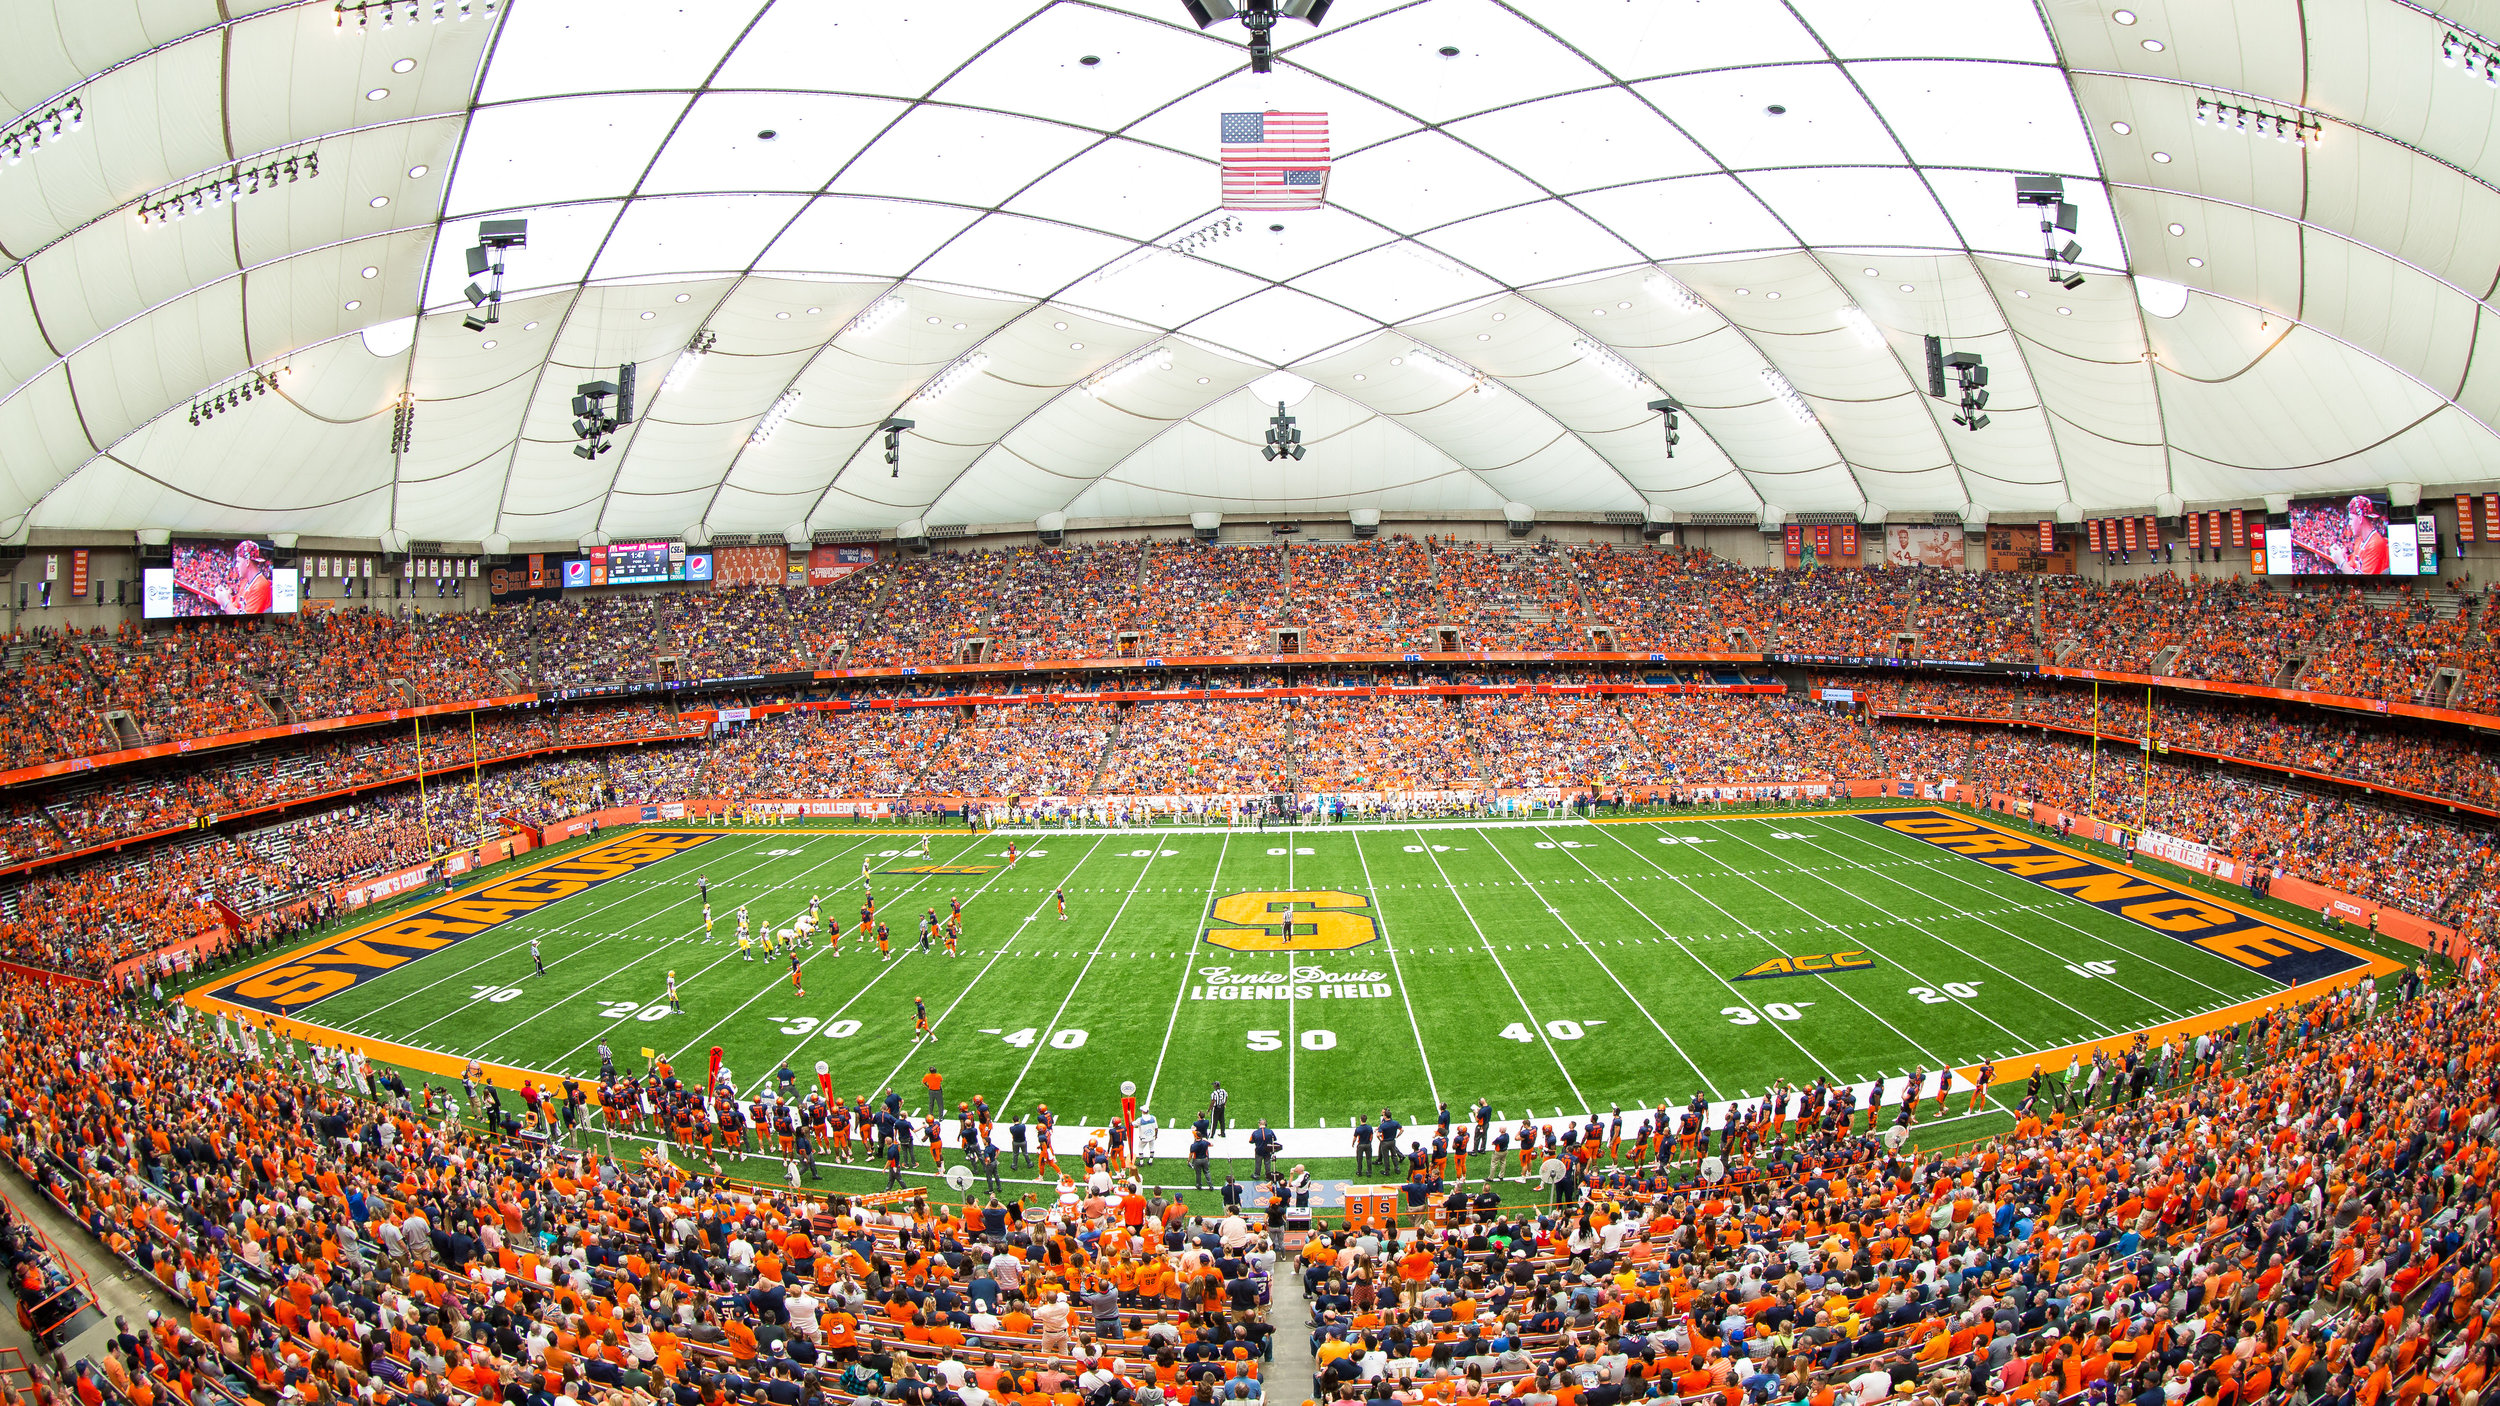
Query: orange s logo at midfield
(1316, 920)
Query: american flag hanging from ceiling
(1275, 160)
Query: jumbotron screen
(2349, 536)
(217, 578)
(638, 564)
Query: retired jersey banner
(2048, 535)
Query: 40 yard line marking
(914, 1051)
(1470, 915)
(1189, 961)
(1380, 915)
(1713, 1084)
(1038, 1045)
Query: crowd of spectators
(2421, 758)
(2295, 1208)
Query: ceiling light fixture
(775, 417)
(874, 316)
(2476, 55)
(170, 203)
(251, 385)
(1612, 362)
(1454, 369)
(1259, 17)
(403, 423)
(2300, 129)
(964, 368)
(28, 136)
(1786, 395)
(689, 361)
(1154, 355)
(1856, 320)
(368, 12)
(1668, 289)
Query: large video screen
(217, 578)
(2348, 536)
(637, 564)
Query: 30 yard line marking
(1759, 934)
(1189, 960)
(1779, 1025)
(1933, 935)
(1470, 915)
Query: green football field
(1549, 968)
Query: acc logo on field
(941, 869)
(1810, 964)
(1318, 920)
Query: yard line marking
(1760, 935)
(914, 1051)
(1381, 917)
(2051, 911)
(1188, 961)
(521, 938)
(1073, 987)
(1937, 936)
(1524, 1008)
(725, 956)
(1713, 1085)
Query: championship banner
(1848, 539)
(2152, 533)
(1822, 541)
(1796, 540)
(2127, 530)
(2465, 517)
(2196, 534)
(2491, 517)
(2048, 535)
(78, 571)
(2239, 535)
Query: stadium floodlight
(963, 369)
(777, 416)
(1787, 395)
(1856, 320)
(689, 361)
